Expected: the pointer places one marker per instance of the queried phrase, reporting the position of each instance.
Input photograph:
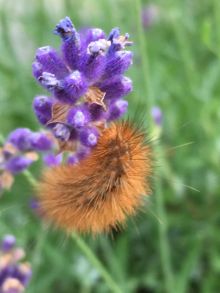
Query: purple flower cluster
(20, 151)
(14, 274)
(86, 85)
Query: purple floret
(89, 136)
(52, 160)
(23, 274)
(8, 242)
(18, 164)
(117, 109)
(93, 34)
(41, 142)
(114, 33)
(118, 63)
(42, 106)
(74, 85)
(72, 159)
(64, 28)
(78, 116)
(37, 69)
(61, 131)
(93, 64)
(51, 62)
(21, 138)
(116, 87)
(71, 47)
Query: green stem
(97, 264)
(1, 139)
(160, 204)
(30, 178)
(163, 241)
(144, 59)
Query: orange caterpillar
(98, 194)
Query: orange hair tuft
(98, 193)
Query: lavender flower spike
(87, 85)
(14, 274)
(19, 151)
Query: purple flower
(8, 242)
(117, 109)
(14, 274)
(41, 142)
(20, 151)
(74, 86)
(87, 83)
(52, 160)
(42, 106)
(18, 164)
(118, 63)
(72, 159)
(157, 115)
(92, 35)
(20, 138)
(61, 131)
(78, 116)
(71, 47)
(117, 87)
(51, 62)
(89, 136)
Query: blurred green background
(173, 245)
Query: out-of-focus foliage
(173, 244)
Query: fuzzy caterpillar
(98, 194)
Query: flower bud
(74, 85)
(20, 138)
(94, 34)
(41, 142)
(52, 160)
(78, 116)
(37, 69)
(42, 106)
(116, 87)
(51, 61)
(117, 109)
(71, 43)
(118, 63)
(89, 136)
(8, 242)
(18, 164)
(61, 131)
(93, 64)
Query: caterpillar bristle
(98, 194)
